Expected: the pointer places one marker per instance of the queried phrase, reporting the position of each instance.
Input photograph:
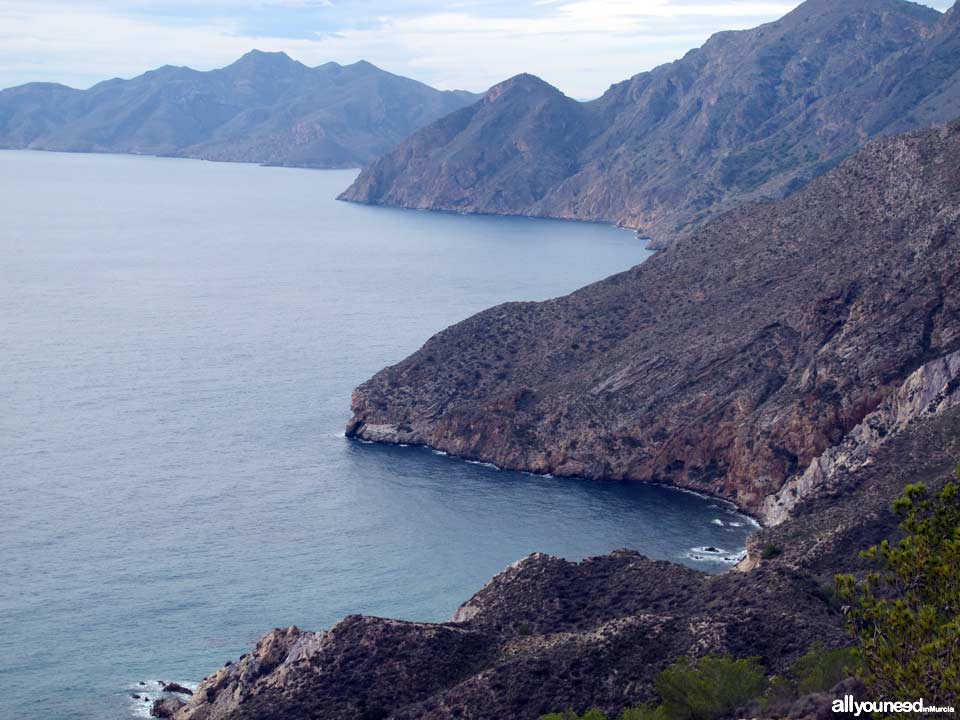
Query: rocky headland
(800, 358)
(752, 114)
(726, 364)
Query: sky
(581, 46)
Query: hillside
(751, 114)
(264, 108)
(725, 364)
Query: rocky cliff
(547, 634)
(727, 363)
(801, 357)
(264, 108)
(752, 114)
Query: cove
(180, 341)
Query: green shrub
(645, 712)
(780, 691)
(592, 714)
(905, 615)
(706, 688)
(770, 551)
(821, 669)
(709, 687)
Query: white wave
(483, 464)
(717, 521)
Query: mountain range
(752, 114)
(806, 351)
(265, 108)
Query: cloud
(582, 46)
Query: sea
(178, 345)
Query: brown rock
(726, 364)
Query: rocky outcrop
(177, 688)
(752, 114)
(547, 634)
(726, 364)
(815, 341)
(166, 707)
(928, 392)
(264, 108)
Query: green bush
(905, 615)
(709, 687)
(593, 714)
(645, 712)
(770, 551)
(706, 688)
(780, 691)
(821, 669)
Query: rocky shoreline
(800, 359)
(726, 364)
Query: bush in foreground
(906, 615)
(706, 688)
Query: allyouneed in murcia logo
(867, 708)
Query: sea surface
(178, 344)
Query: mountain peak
(522, 83)
(262, 59)
(831, 8)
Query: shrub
(693, 689)
(821, 669)
(780, 691)
(904, 615)
(645, 712)
(708, 687)
(770, 551)
(593, 714)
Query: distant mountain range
(264, 108)
(751, 115)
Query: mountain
(750, 115)
(547, 634)
(264, 108)
(815, 339)
(727, 363)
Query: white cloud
(582, 46)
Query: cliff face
(751, 114)
(263, 108)
(815, 340)
(727, 363)
(547, 634)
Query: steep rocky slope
(751, 114)
(815, 340)
(725, 364)
(264, 108)
(547, 634)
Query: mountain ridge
(264, 107)
(751, 114)
(725, 364)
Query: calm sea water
(179, 343)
